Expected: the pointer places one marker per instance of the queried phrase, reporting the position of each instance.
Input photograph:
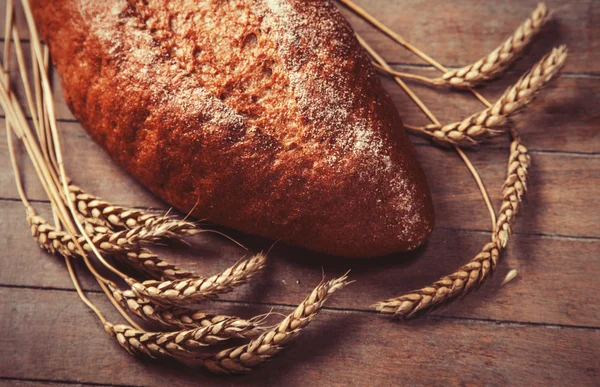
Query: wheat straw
(194, 290)
(113, 216)
(101, 213)
(181, 345)
(488, 123)
(181, 318)
(494, 64)
(473, 274)
(244, 358)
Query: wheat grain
(150, 264)
(181, 318)
(98, 211)
(494, 64)
(488, 123)
(511, 275)
(181, 345)
(194, 290)
(473, 274)
(152, 232)
(244, 358)
(49, 238)
(123, 249)
(110, 242)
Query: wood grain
(458, 33)
(457, 202)
(427, 352)
(541, 329)
(17, 382)
(565, 117)
(291, 273)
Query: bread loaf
(265, 115)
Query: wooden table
(541, 329)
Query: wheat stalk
(181, 318)
(98, 212)
(50, 239)
(181, 345)
(244, 358)
(194, 290)
(488, 122)
(154, 231)
(149, 263)
(120, 217)
(473, 274)
(494, 64)
(127, 250)
(110, 242)
(160, 295)
(189, 345)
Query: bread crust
(265, 116)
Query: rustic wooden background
(541, 329)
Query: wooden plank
(339, 348)
(54, 383)
(61, 109)
(544, 273)
(554, 177)
(343, 347)
(459, 33)
(564, 118)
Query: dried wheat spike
(147, 262)
(513, 191)
(152, 232)
(181, 345)
(151, 227)
(99, 212)
(122, 248)
(49, 238)
(501, 58)
(488, 122)
(244, 358)
(194, 290)
(119, 242)
(473, 274)
(126, 245)
(181, 318)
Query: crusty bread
(265, 114)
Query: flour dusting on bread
(263, 115)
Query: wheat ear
(181, 345)
(98, 212)
(120, 242)
(181, 318)
(120, 217)
(124, 249)
(473, 274)
(194, 290)
(501, 58)
(489, 122)
(244, 358)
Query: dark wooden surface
(541, 329)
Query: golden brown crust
(265, 113)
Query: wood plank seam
(579, 74)
(424, 143)
(457, 229)
(67, 382)
(340, 310)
